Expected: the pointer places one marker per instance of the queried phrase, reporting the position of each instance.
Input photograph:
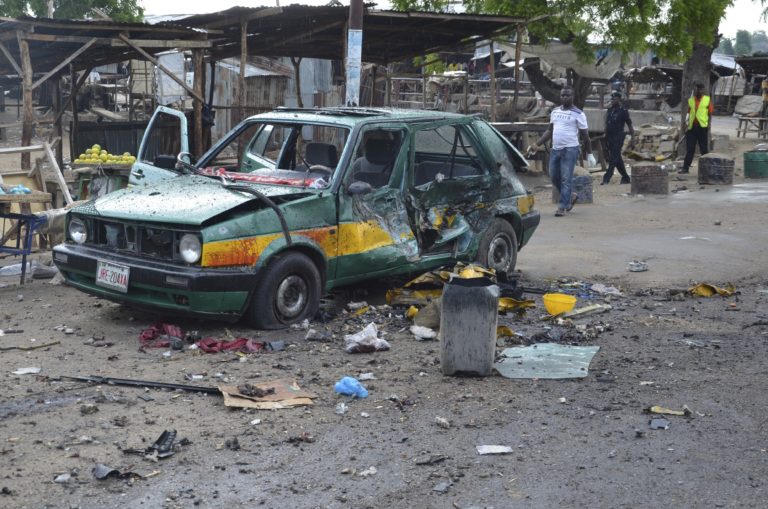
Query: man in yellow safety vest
(700, 108)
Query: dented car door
(450, 183)
(375, 235)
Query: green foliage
(668, 27)
(743, 44)
(725, 47)
(434, 64)
(118, 10)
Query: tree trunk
(550, 90)
(697, 69)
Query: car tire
(498, 247)
(288, 292)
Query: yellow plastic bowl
(557, 303)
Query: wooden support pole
(492, 58)
(241, 93)
(10, 59)
(518, 50)
(199, 91)
(297, 80)
(75, 129)
(72, 94)
(58, 130)
(57, 173)
(66, 61)
(163, 68)
(29, 113)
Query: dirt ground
(575, 443)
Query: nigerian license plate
(112, 275)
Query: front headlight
(77, 230)
(189, 248)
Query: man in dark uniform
(615, 118)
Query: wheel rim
(292, 297)
(500, 253)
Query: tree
(759, 42)
(679, 30)
(725, 47)
(743, 44)
(118, 10)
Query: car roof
(351, 116)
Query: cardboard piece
(287, 394)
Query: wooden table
(22, 225)
(757, 125)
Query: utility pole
(354, 52)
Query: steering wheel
(321, 168)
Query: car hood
(182, 200)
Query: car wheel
(288, 292)
(498, 247)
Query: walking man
(615, 118)
(700, 108)
(566, 125)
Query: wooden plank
(34, 197)
(21, 150)
(28, 117)
(152, 59)
(107, 114)
(57, 173)
(64, 63)
(115, 42)
(10, 58)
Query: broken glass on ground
(546, 360)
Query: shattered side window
(445, 152)
(507, 159)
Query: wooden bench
(757, 125)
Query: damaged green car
(294, 203)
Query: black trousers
(614, 144)
(696, 135)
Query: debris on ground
(162, 448)
(708, 290)
(442, 487)
(274, 395)
(545, 360)
(32, 370)
(637, 266)
(593, 309)
(443, 422)
(429, 459)
(106, 380)
(161, 335)
(422, 333)
(659, 424)
(494, 449)
(305, 437)
(102, 472)
(244, 345)
(349, 386)
(365, 341)
(686, 412)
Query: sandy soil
(576, 443)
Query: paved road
(705, 233)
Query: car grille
(135, 239)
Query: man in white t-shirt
(566, 125)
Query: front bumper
(161, 286)
(530, 222)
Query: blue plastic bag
(349, 386)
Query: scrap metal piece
(143, 383)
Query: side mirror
(359, 188)
(183, 162)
